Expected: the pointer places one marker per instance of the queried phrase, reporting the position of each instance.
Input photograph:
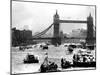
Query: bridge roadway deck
(54, 38)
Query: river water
(54, 54)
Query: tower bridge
(56, 39)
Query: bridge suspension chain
(43, 32)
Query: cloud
(39, 16)
(19, 14)
(26, 27)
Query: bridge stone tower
(90, 37)
(56, 38)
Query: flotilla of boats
(83, 58)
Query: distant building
(20, 36)
(80, 33)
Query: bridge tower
(56, 38)
(90, 37)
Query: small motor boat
(31, 59)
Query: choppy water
(54, 54)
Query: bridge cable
(43, 32)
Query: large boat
(84, 59)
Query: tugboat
(31, 59)
(21, 48)
(48, 66)
(65, 64)
(71, 48)
(52, 67)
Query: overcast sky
(38, 16)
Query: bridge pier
(56, 41)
